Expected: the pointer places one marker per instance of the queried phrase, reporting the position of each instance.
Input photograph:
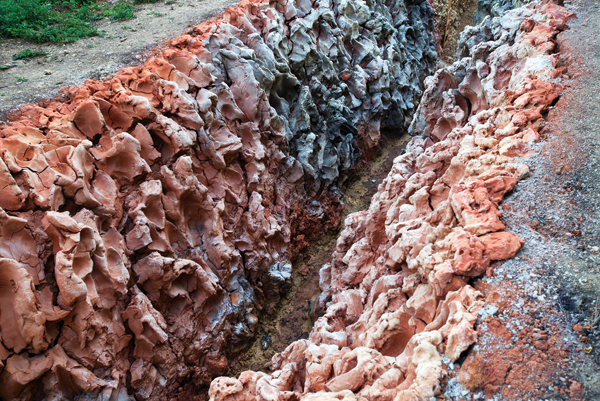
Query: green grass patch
(28, 54)
(21, 79)
(58, 21)
(120, 12)
(47, 21)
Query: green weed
(21, 79)
(28, 54)
(120, 12)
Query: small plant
(2, 94)
(21, 79)
(155, 13)
(169, 2)
(4, 67)
(126, 27)
(120, 12)
(28, 54)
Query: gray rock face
(496, 8)
(336, 73)
(479, 75)
(479, 41)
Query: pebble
(47, 72)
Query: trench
(296, 312)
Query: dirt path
(540, 336)
(124, 43)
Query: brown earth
(451, 18)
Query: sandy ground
(124, 43)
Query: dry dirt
(451, 18)
(124, 43)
